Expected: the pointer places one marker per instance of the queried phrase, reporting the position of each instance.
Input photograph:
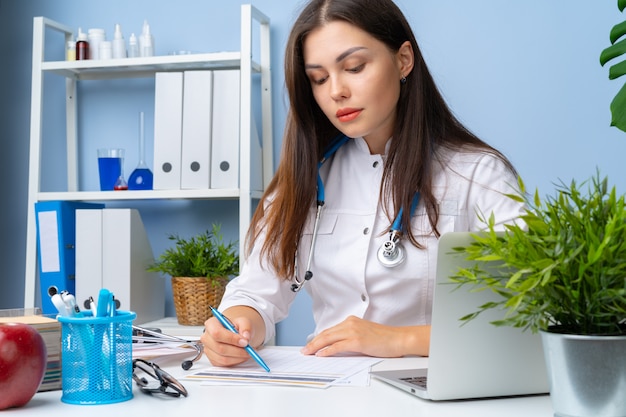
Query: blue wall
(523, 75)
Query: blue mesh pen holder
(97, 359)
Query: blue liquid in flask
(140, 179)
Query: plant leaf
(618, 31)
(618, 109)
(613, 51)
(617, 70)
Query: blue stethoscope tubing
(390, 254)
(336, 144)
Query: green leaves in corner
(618, 105)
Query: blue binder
(56, 240)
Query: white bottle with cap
(118, 43)
(70, 50)
(105, 50)
(146, 41)
(133, 46)
(95, 36)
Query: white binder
(88, 255)
(168, 120)
(225, 137)
(113, 252)
(196, 142)
(126, 254)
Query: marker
(227, 324)
(92, 306)
(70, 302)
(60, 305)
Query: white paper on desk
(289, 367)
(157, 350)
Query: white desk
(379, 400)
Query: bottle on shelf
(82, 46)
(105, 50)
(119, 45)
(70, 51)
(146, 41)
(95, 36)
(133, 47)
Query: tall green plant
(618, 105)
(565, 267)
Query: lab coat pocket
(326, 224)
(325, 227)
(448, 214)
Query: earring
(403, 80)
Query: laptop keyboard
(420, 381)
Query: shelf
(74, 72)
(144, 195)
(145, 66)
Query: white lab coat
(347, 278)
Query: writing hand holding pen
(226, 323)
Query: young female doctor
(370, 143)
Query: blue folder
(56, 240)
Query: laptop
(474, 359)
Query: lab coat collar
(362, 145)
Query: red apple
(23, 358)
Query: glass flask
(141, 177)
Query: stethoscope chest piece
(391, 253)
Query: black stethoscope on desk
(390, 254)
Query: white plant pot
(587, 374)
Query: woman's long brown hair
(424, 123)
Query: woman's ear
(405, 59)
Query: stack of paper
(290, 367)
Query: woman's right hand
(225, 348)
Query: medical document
(290, 367)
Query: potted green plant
(561, 271)
(200, 267)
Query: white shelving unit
(75, 71)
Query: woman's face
(355, 80)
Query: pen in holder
(97, 358)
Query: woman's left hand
(356, 335)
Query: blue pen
(227, 324)
(112, 307)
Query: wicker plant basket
(193, 297)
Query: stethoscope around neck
(390, 254)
